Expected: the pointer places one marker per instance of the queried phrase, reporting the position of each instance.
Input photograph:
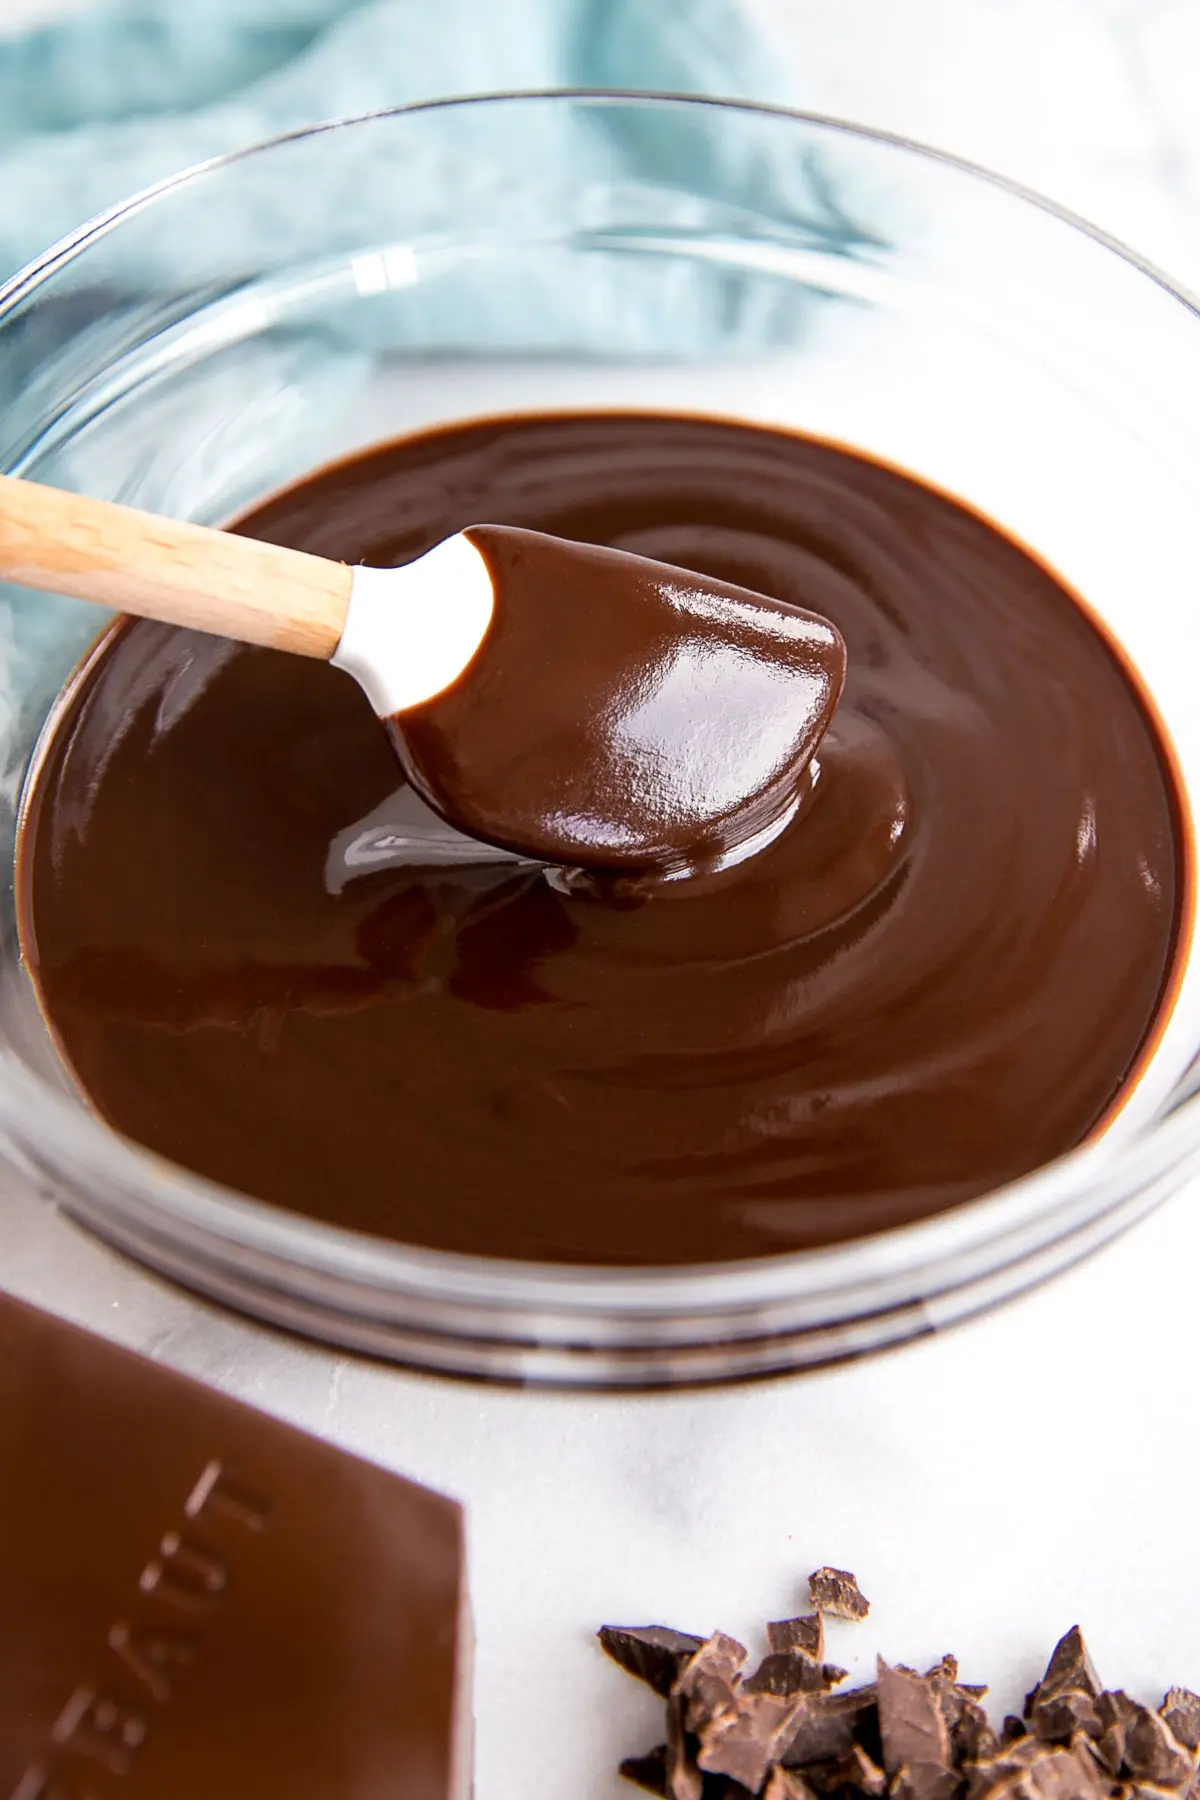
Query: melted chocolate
(621, 714)
(268, 963)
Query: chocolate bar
(200, 1603)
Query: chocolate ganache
(267, 960)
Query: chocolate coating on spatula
(197, 1600)
(622, 713)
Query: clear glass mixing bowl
(235, 327)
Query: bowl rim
(1050, 1202)
(64, 248)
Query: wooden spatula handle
(162, 569)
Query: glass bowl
(240, 324)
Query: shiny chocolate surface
(265, 958)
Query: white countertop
(985, 1502)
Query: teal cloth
(114, 98)
(111, 99)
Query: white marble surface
(983, 1512)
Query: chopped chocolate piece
(1025, 1751)
(1109, 1750)
(784, 1734)
(746, 1740)
(1063, 1774)
(706, 1698)
(926, 1781)
(1152, 1751)
(198, 1601)
(654, 1653)
(684, 1781)
(971, 1737)
(912, 1723)
(835, 1591)
(785, 1673)
(1070, 1667)
(707, 1681)
(856, 1771)
(719, 1654)
(1059, 1717)
(827, 1725)
(952, 1702)
(1181, 1710)
(1064, 1701)
(954, 1696)
(786, 1784)
(1114, 1710)
(945, 1673)
(822, 1778)
(649, 1771)
(1067, 1773)
(805, 1636)
(1032, 1770)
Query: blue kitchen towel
(117, 96)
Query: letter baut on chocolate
(198, 1601)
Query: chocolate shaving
(836, 1592)
(654, 1653)
(783, 1734)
